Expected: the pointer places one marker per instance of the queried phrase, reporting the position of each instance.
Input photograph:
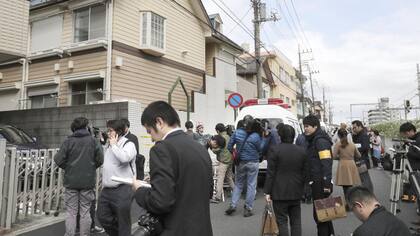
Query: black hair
(312, 121)
(406, 127)
(220, 141)
(342, 134)
(286, 133)
(160, 109)
(125, 122)
(358, 123)
(116, 125)
(79, 123)
(376, 132)
(189, 125)
(240, 125)
(279, 126)
(360, 194)
(220, 127)
(230, 129)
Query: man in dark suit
(180, 173)
(286, 176)
(139, 158)
(376, 219)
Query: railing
(30, 184)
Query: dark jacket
(254, 145)
(286, 172)
(139, 158)
(414, 154)
(182, 185)
(362, 143)
(382, 223)
(272, 141)
(320, 156)
(80, 155)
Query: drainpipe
(109, 52)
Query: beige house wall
(90, 62)
(146, 81)
(11, 74)
(211, 50)
(14, 17)
(183, 31)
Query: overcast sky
(363, 50)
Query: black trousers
(367, 161)
(324, 228)
(285, 211)
(114, 206)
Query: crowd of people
(175, 199)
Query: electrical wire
(246, 29)
(300, 24)
(242, 18)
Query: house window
(86, 92)
(287, 100)
(46, 33)
(153, 32)
(43, 101)
(89, 23)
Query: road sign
(235, 100)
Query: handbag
(269, 225)
(330, 208)
(361, 166)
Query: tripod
(400, 165)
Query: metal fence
(30, 184)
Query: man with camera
(249, 145)
(320, 166)
(408, 130)
(218, 145)
(114, 203)
(80, 155)
(181, 178)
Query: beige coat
(347, 173)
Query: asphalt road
(237, 225)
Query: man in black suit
(376, 219)
(286, 176)
(139, 158)
(180, 173)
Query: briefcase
(330, 208)
(269, 223)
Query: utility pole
(330, 113)
(259, 17)
(324, 104)
(312, 87)
(302, 98)
(418, 81)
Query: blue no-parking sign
(235, 100)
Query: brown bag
(269, 223)
(330, 208)
(361, 166)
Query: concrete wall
(52, 125)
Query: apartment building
(91, 51)
(13, 48)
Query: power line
(202, 21)
(241, 24)
(293, 21)
(287, 22)
(299, 23)
(240, 20)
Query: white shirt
(170, 132)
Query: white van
(272, 109)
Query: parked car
(19, 138)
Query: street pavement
(237, 225)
